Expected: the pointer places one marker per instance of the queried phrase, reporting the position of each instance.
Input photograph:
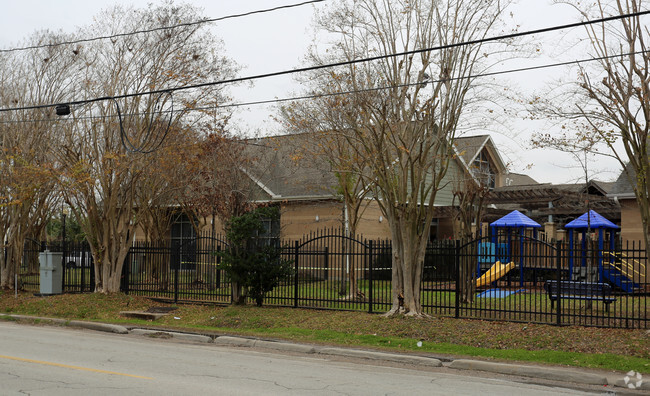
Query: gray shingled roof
(468, 146)
(284, 171)
(519, 179)
(622, 188)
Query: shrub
(253, 260)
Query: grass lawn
(612, 349)
(527, 304)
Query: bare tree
(164, 182)
(102, 176)
(330, 150)
(218, 186)
(609, 102)
(470, 194)
(27, 169)
(399, 114)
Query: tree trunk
(238, 296)
(8, 269)
(109, 263)
(10, 262)
(467, 277)
(409, 249)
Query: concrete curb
(276, 345)
(419, 360)
(109, 328)
(548, 373)
(644, 385)
(173, 334)
(25, 317)
(235, 341)
(284, 346)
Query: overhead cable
(201, 21)
(340, 93)
(337, 64)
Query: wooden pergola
(543, 203)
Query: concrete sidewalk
(623, 381)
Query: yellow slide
(494, 273)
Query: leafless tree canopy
(27, 168)
(108, 156)
(608, 104)
(399, 115)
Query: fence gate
(185, 271)
(504, 278)
(197, 275)
(330, 271)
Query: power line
(340, 93)
(488, 74)
(186, 24)
(337, 64)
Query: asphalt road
(64, 361)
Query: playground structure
(513, 224)
(589, 256)
(496, 272)
(611, 267)
(630, 267)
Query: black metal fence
(187, 271)
(503, 277)
(78, 267)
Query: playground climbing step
(617, 278)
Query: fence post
(370, 294)
(125, 272)
(217, 269)
(4, 254)
(326, 259)
(558, 277)
(82, 258)
(295, 276)
(63, 264)
(176, 262)
(91, 268)
(457, 280)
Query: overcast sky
(277, 41)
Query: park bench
(579, 291)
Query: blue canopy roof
(591, 219)
(515, 219)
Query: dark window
(433, 232)
(184, 236)
(182, 229)
(271, 233)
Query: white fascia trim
(464, 165)
(622, 196)
(487, 138)
(498, 154)
(260, 184)
(299, 198)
